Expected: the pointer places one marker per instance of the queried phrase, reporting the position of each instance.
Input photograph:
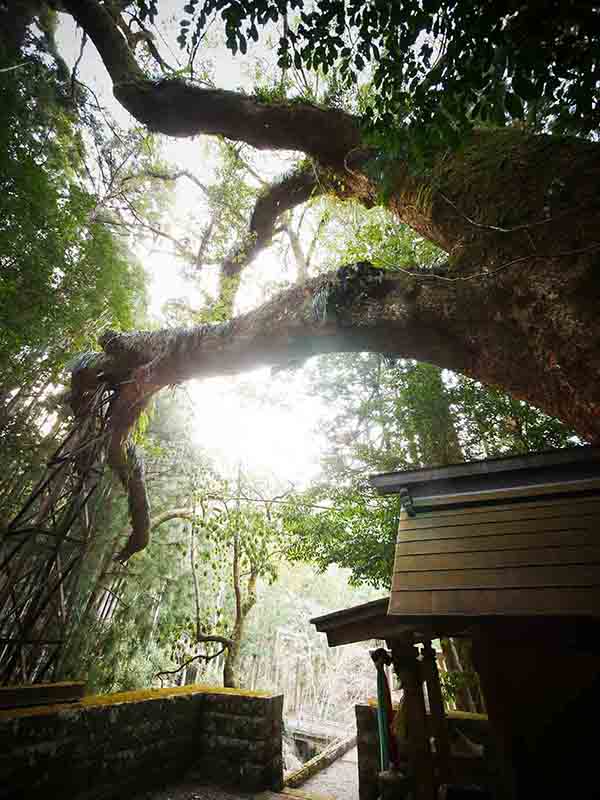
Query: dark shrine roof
(371, 621)
(553, 472)
(572, 474)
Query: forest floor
(192, 790)
(339, 781)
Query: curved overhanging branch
(466, 327)
(467, 203)
(176, 107)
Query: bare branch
(77, 63)
(165, 175)
(236, 150)
(14, 67)
(201, 656)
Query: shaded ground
(189, 790)
(196, 790)
(338, 781)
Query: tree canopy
(514, 210)
(60, 269)
(437, 68)
(436, 133)
(392, 415)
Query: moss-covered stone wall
(112, 746)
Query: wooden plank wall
(538, 557)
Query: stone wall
(367, 742)
(474, 726)
(112, 746)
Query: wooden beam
(481, 603)
(437, 713)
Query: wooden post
(407, 668)
(297, 690)
(439, 725)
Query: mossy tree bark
(516, 304)
(517, 214)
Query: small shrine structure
(506, 552)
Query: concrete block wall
(111, 746)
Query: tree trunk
(514, 306)
(231, 677)
(231, 666)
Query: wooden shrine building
(505, 552)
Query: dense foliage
(63, 276)
(437, 67)
(59, 270)
(393, 415)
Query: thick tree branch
(468, 327)
(140, 535)
(177, 108)
(275, 200)
(476, 182)
(291, 191)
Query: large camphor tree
(447, 146)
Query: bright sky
(263, 436)
(233, 425)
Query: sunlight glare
(236, 423)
